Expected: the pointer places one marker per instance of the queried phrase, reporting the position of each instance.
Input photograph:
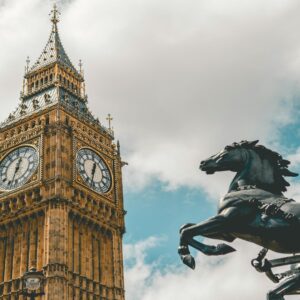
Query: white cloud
(295, 157)
(181, 79)
(229, 278)
(138, 272)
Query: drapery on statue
(255, 210)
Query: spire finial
(27, 64)
(109, 119)
(54, 14)
(80, 67)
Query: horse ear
(253, 143)
(285, 163)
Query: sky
(182, 79)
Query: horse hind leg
(288, 287)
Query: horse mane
(279, 164)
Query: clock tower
(61, 201)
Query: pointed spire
(54, 50)
(53, 80)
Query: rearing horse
(255, 210)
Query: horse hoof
(189, 261)
(222, 249)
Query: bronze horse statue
(255, 210)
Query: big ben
(61, 199)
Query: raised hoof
(189, 261)
(222, 249)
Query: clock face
(93, 170)
(17, 167)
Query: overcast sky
(182, 79)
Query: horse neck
(257, 171)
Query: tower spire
(54, 51)
(53, 80)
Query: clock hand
(18, 165)
(93, 171)
(16, 170)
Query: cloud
(229, 278)
(138, 272)
(181, 80)
(295, 157)
(184, 81)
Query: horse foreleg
(183, 249)
(210, 228)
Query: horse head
(254, 165)
(231, 158)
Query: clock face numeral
(17, 167)
(93, 170)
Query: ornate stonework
(56, 222)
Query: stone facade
(55, 222)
